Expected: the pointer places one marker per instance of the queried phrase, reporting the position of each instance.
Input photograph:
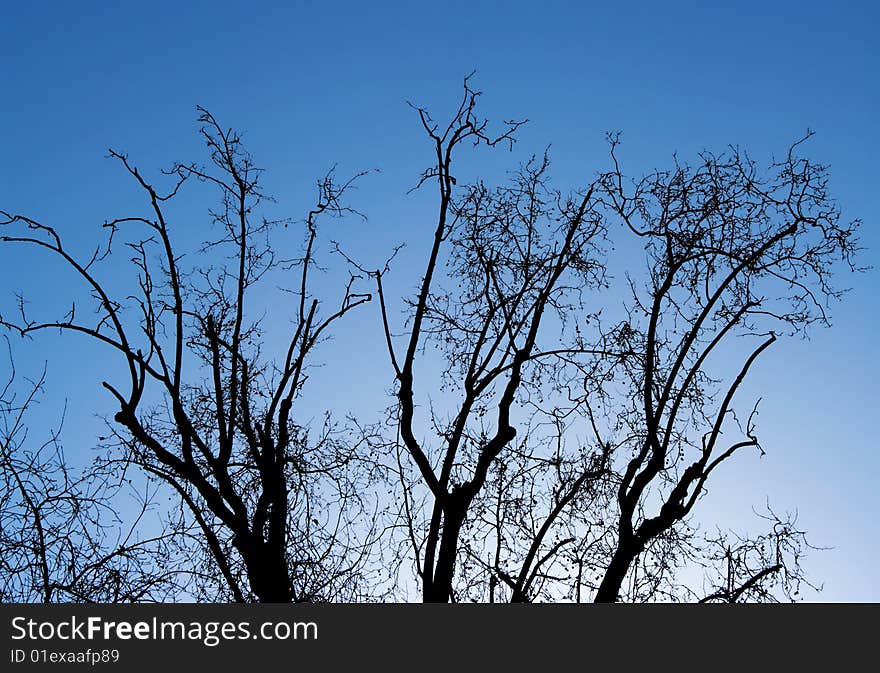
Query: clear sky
(313, 84)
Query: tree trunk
(268, 573)
(609, 588)
(439, 590)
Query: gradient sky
(314, 84)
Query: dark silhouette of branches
(504, 265)
(758, 569)
(560, 402)
(60, 538)
(735, 255)
(202, 410)
(574, 451)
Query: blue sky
(315, 84)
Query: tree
(60, 538)
(272, 500)
(511, 297)
(519, 253)
(732, 254)
(562, 447)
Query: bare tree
(575, 452)
(272, 501)
(735, 256)
(506, 267)
(573, 423)
(60, 538)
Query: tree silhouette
(567, 377)
(520, 256)
(732, 254)
(203, 410)
(60, 538)
(512, 298)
